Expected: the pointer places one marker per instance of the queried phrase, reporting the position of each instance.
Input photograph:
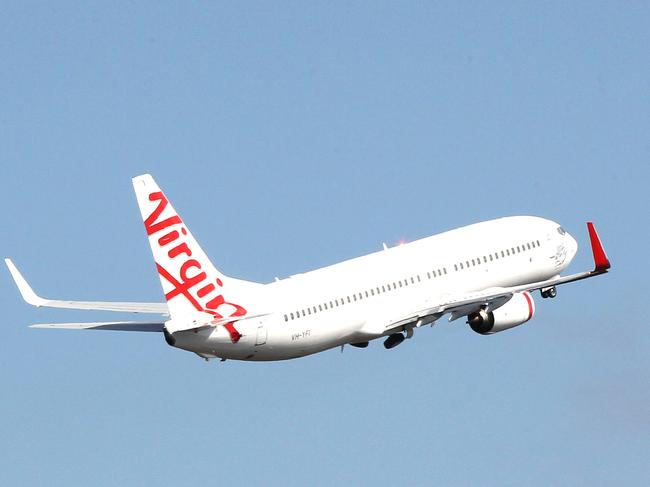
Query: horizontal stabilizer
(34, 299)
(174, 326)
(114, 326)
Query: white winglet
(25, 289)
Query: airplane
(484, 272)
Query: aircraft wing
(34, 299)
(488, 299)
(114, 326)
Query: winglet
(25, 289)
(601, 262)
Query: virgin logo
(192, 282)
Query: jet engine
(515, 312)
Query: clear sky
(291, 135)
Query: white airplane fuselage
(340, 304)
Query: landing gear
(393, 340)
(360, 344)
(549, 292)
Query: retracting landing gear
(548, 292)
(393, 340)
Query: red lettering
(191, 266)
(179, 249)
(179, 288)
(215, 303)
(197, 278)
(149, 224)
(168, 238)
(205, 290)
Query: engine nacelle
(515, 312)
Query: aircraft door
(261, 334)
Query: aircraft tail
(195, 290)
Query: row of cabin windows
(403, 283)
(495, 256)
(357, 296)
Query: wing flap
(34, 299)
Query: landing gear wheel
(550, 292)
(393, 340)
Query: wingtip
(25, 289)
(601, 262)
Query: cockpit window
(561, 231)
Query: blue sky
(290, 136)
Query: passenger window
(518, 249)
(485, 259)
(383, 289)
(291, 315)
(490, 257)
(503, 254)
(455, 267)
(286, 318)
(445, 270)
(412, 281)
(372, 291)
(429, 275)
(461, 266)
